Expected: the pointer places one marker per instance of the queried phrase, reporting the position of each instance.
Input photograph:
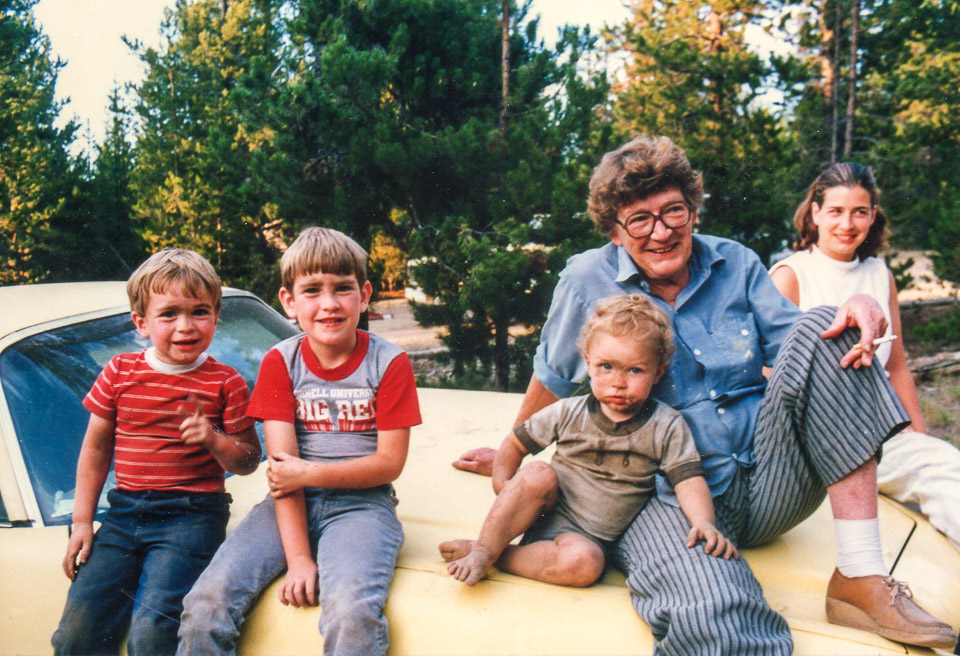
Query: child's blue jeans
(149, 550)
(356, 537)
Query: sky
(86, 34)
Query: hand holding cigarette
(878, 341)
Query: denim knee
(74, 637)
(152, 633)
(206, 624)
(353, 623)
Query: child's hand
(195, 430)
(717, 545)
(284, 474)
(80, 544)
(299, 587)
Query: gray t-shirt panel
(606, 469)
(337, 419)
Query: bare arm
(900, 377)
(237, 453)
(785, 280)
(480, 460)
(299, 586)
(696, 503)
(93, 465)
(507, 461)
(288, 474)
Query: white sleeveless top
(826, 281)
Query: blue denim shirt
(728, 323)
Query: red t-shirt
(147, 405)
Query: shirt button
(744, 332)
(720, 411)
(713, 394)
(697, 352)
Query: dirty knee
(537, 478)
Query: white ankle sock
(858, 547)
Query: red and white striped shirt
(148, 406)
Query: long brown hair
(843, 174)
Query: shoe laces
(897, 588)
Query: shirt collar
(150, 355)
(703, 257)
(610, 427)
(627, 270)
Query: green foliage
(906, 124)
(902, 278)
(418, 148)
(943, 330)
(37, 176)
(211, 172)
(388, 263)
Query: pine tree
(36, 173)
(401, 116)
(209, 174)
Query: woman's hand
(860, 311)
(478, 461)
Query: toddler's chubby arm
(695, 502)
(507, 461)
(299, 586)
(288, 473)
(93, 465)
(237, 453)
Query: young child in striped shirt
(172, 419)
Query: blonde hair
(323, 250)
(638, 169)
(634, 317)
(173, 266)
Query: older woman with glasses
(771, 451)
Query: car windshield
(46, 376)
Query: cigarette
(879, 340)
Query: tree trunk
(852, 77)
(501, 356)
(504, 65)
(714, 36)
(835, 92)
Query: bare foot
(472, 567)
(455, 549)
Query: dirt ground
(399, 326)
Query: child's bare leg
(569, 559)
(531, 492)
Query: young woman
(842, 227)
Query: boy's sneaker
(884, 606)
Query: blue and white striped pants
(817, 423)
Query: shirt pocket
(736, 358)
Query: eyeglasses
(641, 224)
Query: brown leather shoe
(884, 606)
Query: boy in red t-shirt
(337, 405)
(172, 419)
